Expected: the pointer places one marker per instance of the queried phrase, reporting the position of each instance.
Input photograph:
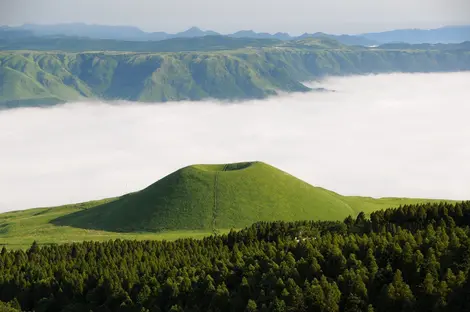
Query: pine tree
(251, 306)
(399, 294)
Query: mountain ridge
(446, 34)
(245, 72)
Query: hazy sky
(384, 135)
(293, 16)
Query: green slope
(20, 228)
(193, 201)
(40, 80)
(28, 78)
(207, 197)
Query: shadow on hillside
(104, 217)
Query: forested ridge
(412, 258)
(250, 71)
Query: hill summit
(209, 197)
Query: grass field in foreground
(19, 229)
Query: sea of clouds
(405, 135)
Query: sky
(377, 135)
(293, 16)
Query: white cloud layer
(384, 135)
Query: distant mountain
(109, 32)
(252, 34)
(344, 39)
(129, 33)
(14, 33)
(85, 30)
(155, 36)
(81, 44)
(449, 34)
(282, 36)
(194, 32)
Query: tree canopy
(412, 258)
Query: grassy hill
(204, 197)
(193, 201)
(44, 78)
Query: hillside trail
(214, 210)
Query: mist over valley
(381, 135)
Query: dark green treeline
(413, 258)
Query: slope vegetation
(34, 78)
